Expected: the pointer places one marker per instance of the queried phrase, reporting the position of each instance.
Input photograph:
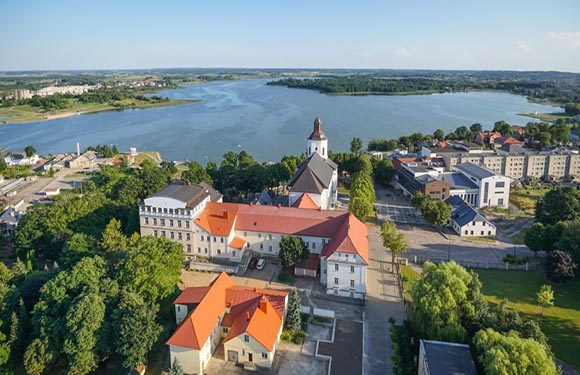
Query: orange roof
(191, 295)
(256, 312)
(237, 243)
(341, 227)
(305, 201)
(309, 264)
(197, 326)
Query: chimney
(226, 215)
(247, 316)
(78, 149)
(264, 305)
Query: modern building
(316, 176)
(248, 320)
(466, 221)
(445, 358)
(494, 189)
(194, 216)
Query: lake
(266, 121)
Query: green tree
(570, 240)
(421, 201)
(560, 266)
(439, 134)
(545, 138)
(83, 321)
(113, 240)
(503, 127)
(152, 267)
(545, 297)
(356, 145)
(476, 128)
(360, 208)
(438, 213)
(560, 133)
(393, 240)
(29, 151)
(558, 204)
(4, 348)
(292, 248)
(176, 368)
(294, 319)
(510, 354)
(37, 357)
(553, 234)
(441, 303)
(80, 245)
(3, 165)
(136, 328)
(384, 172)
(195, 174)
(534, 237)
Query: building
(444, 358)
(83, 161)
(316, 176)
(9, 221)
(20, 159)
(248, 320)
(170, 211)
(466, 221)
(478, 185)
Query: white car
(261, 264)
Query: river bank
(27, 113)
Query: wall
(244, 348)
(189, 359)
(476, 227)
(343, 287)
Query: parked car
(261, 264)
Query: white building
(494, 189)
(248, 320)
(316, 176)
(466, 221)
(20, 159)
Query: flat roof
(477, 171)
(448, 358)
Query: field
(525, 199)
(408, 276)
(561, 323)
(27, 113)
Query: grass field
(408, 276)
(27, 113)
(561, 323)
(525, 199)
(481, 239)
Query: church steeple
(317, 142)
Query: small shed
(307, 268)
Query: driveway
(345, 350)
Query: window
(269, 236)
(264, 355)
(336, 267)
(189, 248)
(221, 239)
(154, 221)
(314, 245)
(246, 338)
(202, 237)
(500, 184)
(352, 283)
(259, 235)
(171, 234)
(179, 223)
(171, 222)
(261, 247)
(162, 233)
(482, 233)
(205, 250)
(336, 291)
(351, 269)
(270, 248)
(155, 232)
(219, 251)
(215, 239)
(245, 234)
(336, 280)
(466, 232)
(500, 201)
(199, 250)
(188, 236)
(308, 245)
(187, 224)
(171, 210)
(162, 222)
(472, 233)
(146, 221)
(179, 236)
(225, 329)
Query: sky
(404, 34)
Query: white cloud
(403, 52)
(523, 46)
(570, 38)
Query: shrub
(298, 337)
(509, 258)
(286, 336)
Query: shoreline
(57, 116)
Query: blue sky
(468, 34)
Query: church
(314, 185)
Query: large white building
(466, 221)
(195, 217)
(493, 188)
(317, 176)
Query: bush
(298, 337)
(403, 362)
(286, 336)
(509, 258)
(559, 266)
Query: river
(266, 121)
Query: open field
(27, 113)
(525, 199)
(561, 323)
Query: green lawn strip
(481, 239)
(408, 277)
(561, 323)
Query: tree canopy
(292, 248)
(558, 204)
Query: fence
(212, 267)
(483, 265)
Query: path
(383, 301)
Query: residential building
(445, 358)
(509, 140)
(20, 159)
(316, 176)
(248, 320)
(9, 221)
(83, 161)
(466, 221)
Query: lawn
(525, 199)
(408, 276)
(561, 323)
(481, 239)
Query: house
(83, 161)
(503, 141)
(487, 137)
(9, 221)
(20, 159)
(444, 358)
(519, 130)
(248, 320)
(317, 175)
(466, 221)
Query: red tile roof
(253, 311)
(310, 264)
(237, 243)
(347, 233)
(507, 141)
(305, 201)
(191, 295)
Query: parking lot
(399, 214)
(345, 350)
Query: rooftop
(456, 179)
(191, 195)
(448, 358)
(317, 133)
(313, 175)
(476, 171)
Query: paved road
(383, 301)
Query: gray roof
(313, 175)
(192, 195)
(446, 358)
(456, 179)
(477, 171)
(462, 213)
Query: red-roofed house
(249, 320)
(509, 140)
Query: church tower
(317, 141)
